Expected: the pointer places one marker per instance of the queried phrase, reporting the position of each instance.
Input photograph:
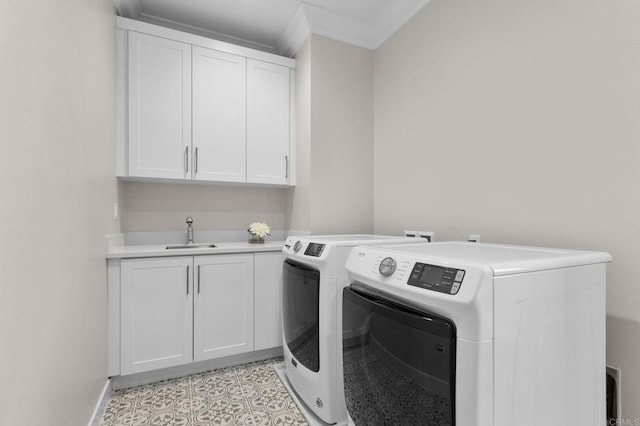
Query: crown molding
(309, 18)
(128, 8)
(155, 20)
(312, 19)
(295, 35)
(186, 37)
(338, 27)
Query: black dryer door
(300, 298)
(398, 362)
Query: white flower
(259, 229)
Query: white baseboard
(101, 404)
(138, 379)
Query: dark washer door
(300, 297)
(399, 364)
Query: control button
(459, 275)
(455, 287)
(387, 266)
(297, 246)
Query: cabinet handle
(195, 163)
(198, 279)
(186, 160)
(286, 166)
(188, 279)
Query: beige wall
(518, 121)
(57, 188)
(335, 141)
(341, 137)
(299, 198)
(164, 207)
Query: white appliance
(474, 334)
(313, 277)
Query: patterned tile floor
(250, 394)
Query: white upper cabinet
(268, 102)
(197, 109)
(159, 107)
(219, 116)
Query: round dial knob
(297, 246)
(387, 267)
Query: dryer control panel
(437, 278)
(314, 249)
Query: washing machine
(474, 334)
(313, 277)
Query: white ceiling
(279, 26)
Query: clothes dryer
(313, 277)
(474, 334)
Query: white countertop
(160, 250)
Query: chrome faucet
(189, 230)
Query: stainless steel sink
(190, 246)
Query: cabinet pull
(286, 166)
(186, 160)
(195, 163)
(198, 279)
(188, 279)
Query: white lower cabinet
(268, 293)
(223, 306)
(156, 313)
(177, 310)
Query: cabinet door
(159, 107)
(219, 116)
(267, 122)
(223, 305)
(156, 313)
(267, 291)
